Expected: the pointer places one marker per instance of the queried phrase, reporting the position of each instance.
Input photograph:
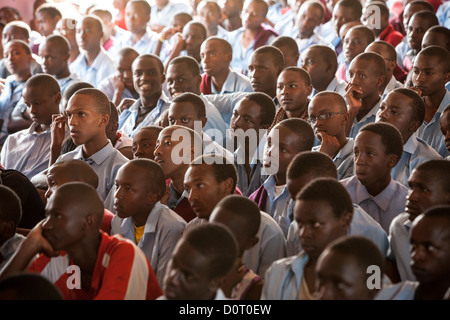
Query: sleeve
(127, 276)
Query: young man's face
(263, 72)
(17, 60)
(292, 92)
(53, 60)
(371, 161)
(45, 23)
(204, 192)
(89, 35)
(246, 116)
(435, 39)
(85, 122)
(148, 78)
(364, 74)
(280, 152)
(430, 249)
(340, 277)
(318, 225)
(163, 152)
(124, 69)
(309, 17)
(135, 18)
(252, 15)
(193, 39)
(313, 62)
(184, 114)
(144, 143)
(425, 191)
(13, 33)
(428, 74)
(342, 15)
(180, 79)
(383, 51)
(415, 31)
(41, 105)
(64, 225)
(132, 192)
(215, 61)
(187, 274)
(396, 109)
(332, 126)
(208, 16)
(55, 178)
(444, 122)
(354, 43)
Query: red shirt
(121, 272)
(391, 36)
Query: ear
(309, 89)
(380, 80)
(413, 126)
(227, 185)
(347, 219)
(7, 229)
(57, 98)
(392, 160)
(447, 77)
(204, 120)
(198, 80)
(90, 220)
(153, 197)
(104, 120)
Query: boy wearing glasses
(328, 117)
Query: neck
(323, 86)
(378, 186)
(220, 79)
(435, 100)
(212, 31)
(92, 147)
(252, 32)
(280, 178)
(385, 83)
(63, 73)
(23, 76)
(74, 53)
(91, 55)
(432, 291)
(137, 35)
(140, 219)
(150, 101)
(367, 104)
(178, 181)
(297, 113)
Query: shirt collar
(97, 157)
(382, 199)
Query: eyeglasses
(322, 117)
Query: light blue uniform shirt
(164, 15)
(107, 87)
(214, 122)
(344, 159)
(385, 206)
(145, 45)
(431, 132)
(368, 118)
(328, 31)
(27, 151)
(105, 162)
(362, 224)
(286, 26)
(241, 55)
(336, 85)
(402, 48)
(392, 85)
(415, 152)
(275, 13)
(315, 38)
(270, 247)
(101, 68)
(10, 96)
(127, 119)
(225, 103)
(443, 14)
(247, 186)
(399, 246)
(277, 205)
(67, 81)
(235, 82)
(398, 291)
(163, 229)
(283, 279)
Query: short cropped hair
(429, 16)
(439, 170)
(302, 73)
(329, 190)
(417, 105)
(10, 205)
(24, 45)
(101, 100)
(198, 24)
(221, 169)
(23, 26)
(389, 47)
(266, 103)
(376, 59)
(340, 101)
(150, 56)
(98, 22)
(285, 41)
(74, 87)
(226, 46)
(47, 82)
(326, 54)
(303, 131)
(152, 173)
(215, 242)
(190, 62)
(30, 286)
(442, 54)
(355, 5)
(49, 9)
(77, 170)
(147, 9)
(277, 54)
(363, 251)
(193, 99)
(390, 136)
(61, 43)
(368, 33)
(307, 162)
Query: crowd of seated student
(241, 149)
